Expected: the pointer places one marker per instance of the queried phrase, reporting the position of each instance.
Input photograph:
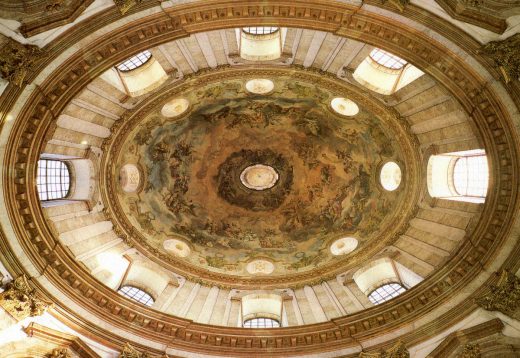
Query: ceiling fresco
(320, 169)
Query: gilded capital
(399, 4)
(504, 296)
(125, 5)
(130, 352)
(506, 55)
(59, 353)
(470, 351)
(16, 60)
(398, 350)
(20, 300)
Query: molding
(129, 351)
(506, 55)
(398, 350)
(16, 60)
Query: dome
(264, 179)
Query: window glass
(135, 61)
(261, 322)
(470, 176)
(387, 59)
(261, 30)
(52, 179)
(385, 293)
(136, 294)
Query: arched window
(260, 30)
(136, 294)
(135, 61)
(261, 322)
(385, 292)
(386, 59)
(462, 176)
(470, 176)
(52, 179)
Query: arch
(53, 179)
(461, 176)
(385, 73)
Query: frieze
(461, 81)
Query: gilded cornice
(504, 296)
(21, 301)
(491, 119)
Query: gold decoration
(506, 55)
(130, 352)
(470, 351)
(505, 296)
(59, 353)
(399, 4)
(16, 59)
(125, 5)
(398, 350)
(20, 300)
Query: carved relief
(398, 350)
(470, 351)
(130, 352)
(16, 60)
(125, 5)
(506, 55)
(504, 296)
(20, 300)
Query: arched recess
(260, 43)
(384, 271)
(461, 176)
(146, 276)
(136, 76)
(385, 73)
(262, 305)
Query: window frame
(394, 59)
(257, 319)
(389, 294)
(272, 30)
(136, 61)
(67, 177)
(467, 190)
(148, 300)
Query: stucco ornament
(505, 296)
(130, 352)
(506, 55)
(20, 300)
(60, 353)
(16, 60)
(399, 4)
(470, 351)
(125, 5)
(398, 350)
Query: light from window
(261, 322)
(136, 294)
(261, 30)
(385, 293)
(52, 179)
(470, 176)
(135, 61)
(386, 59)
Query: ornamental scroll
(20, 300)
(504, 296)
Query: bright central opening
(259, 177)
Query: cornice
(493, 122)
